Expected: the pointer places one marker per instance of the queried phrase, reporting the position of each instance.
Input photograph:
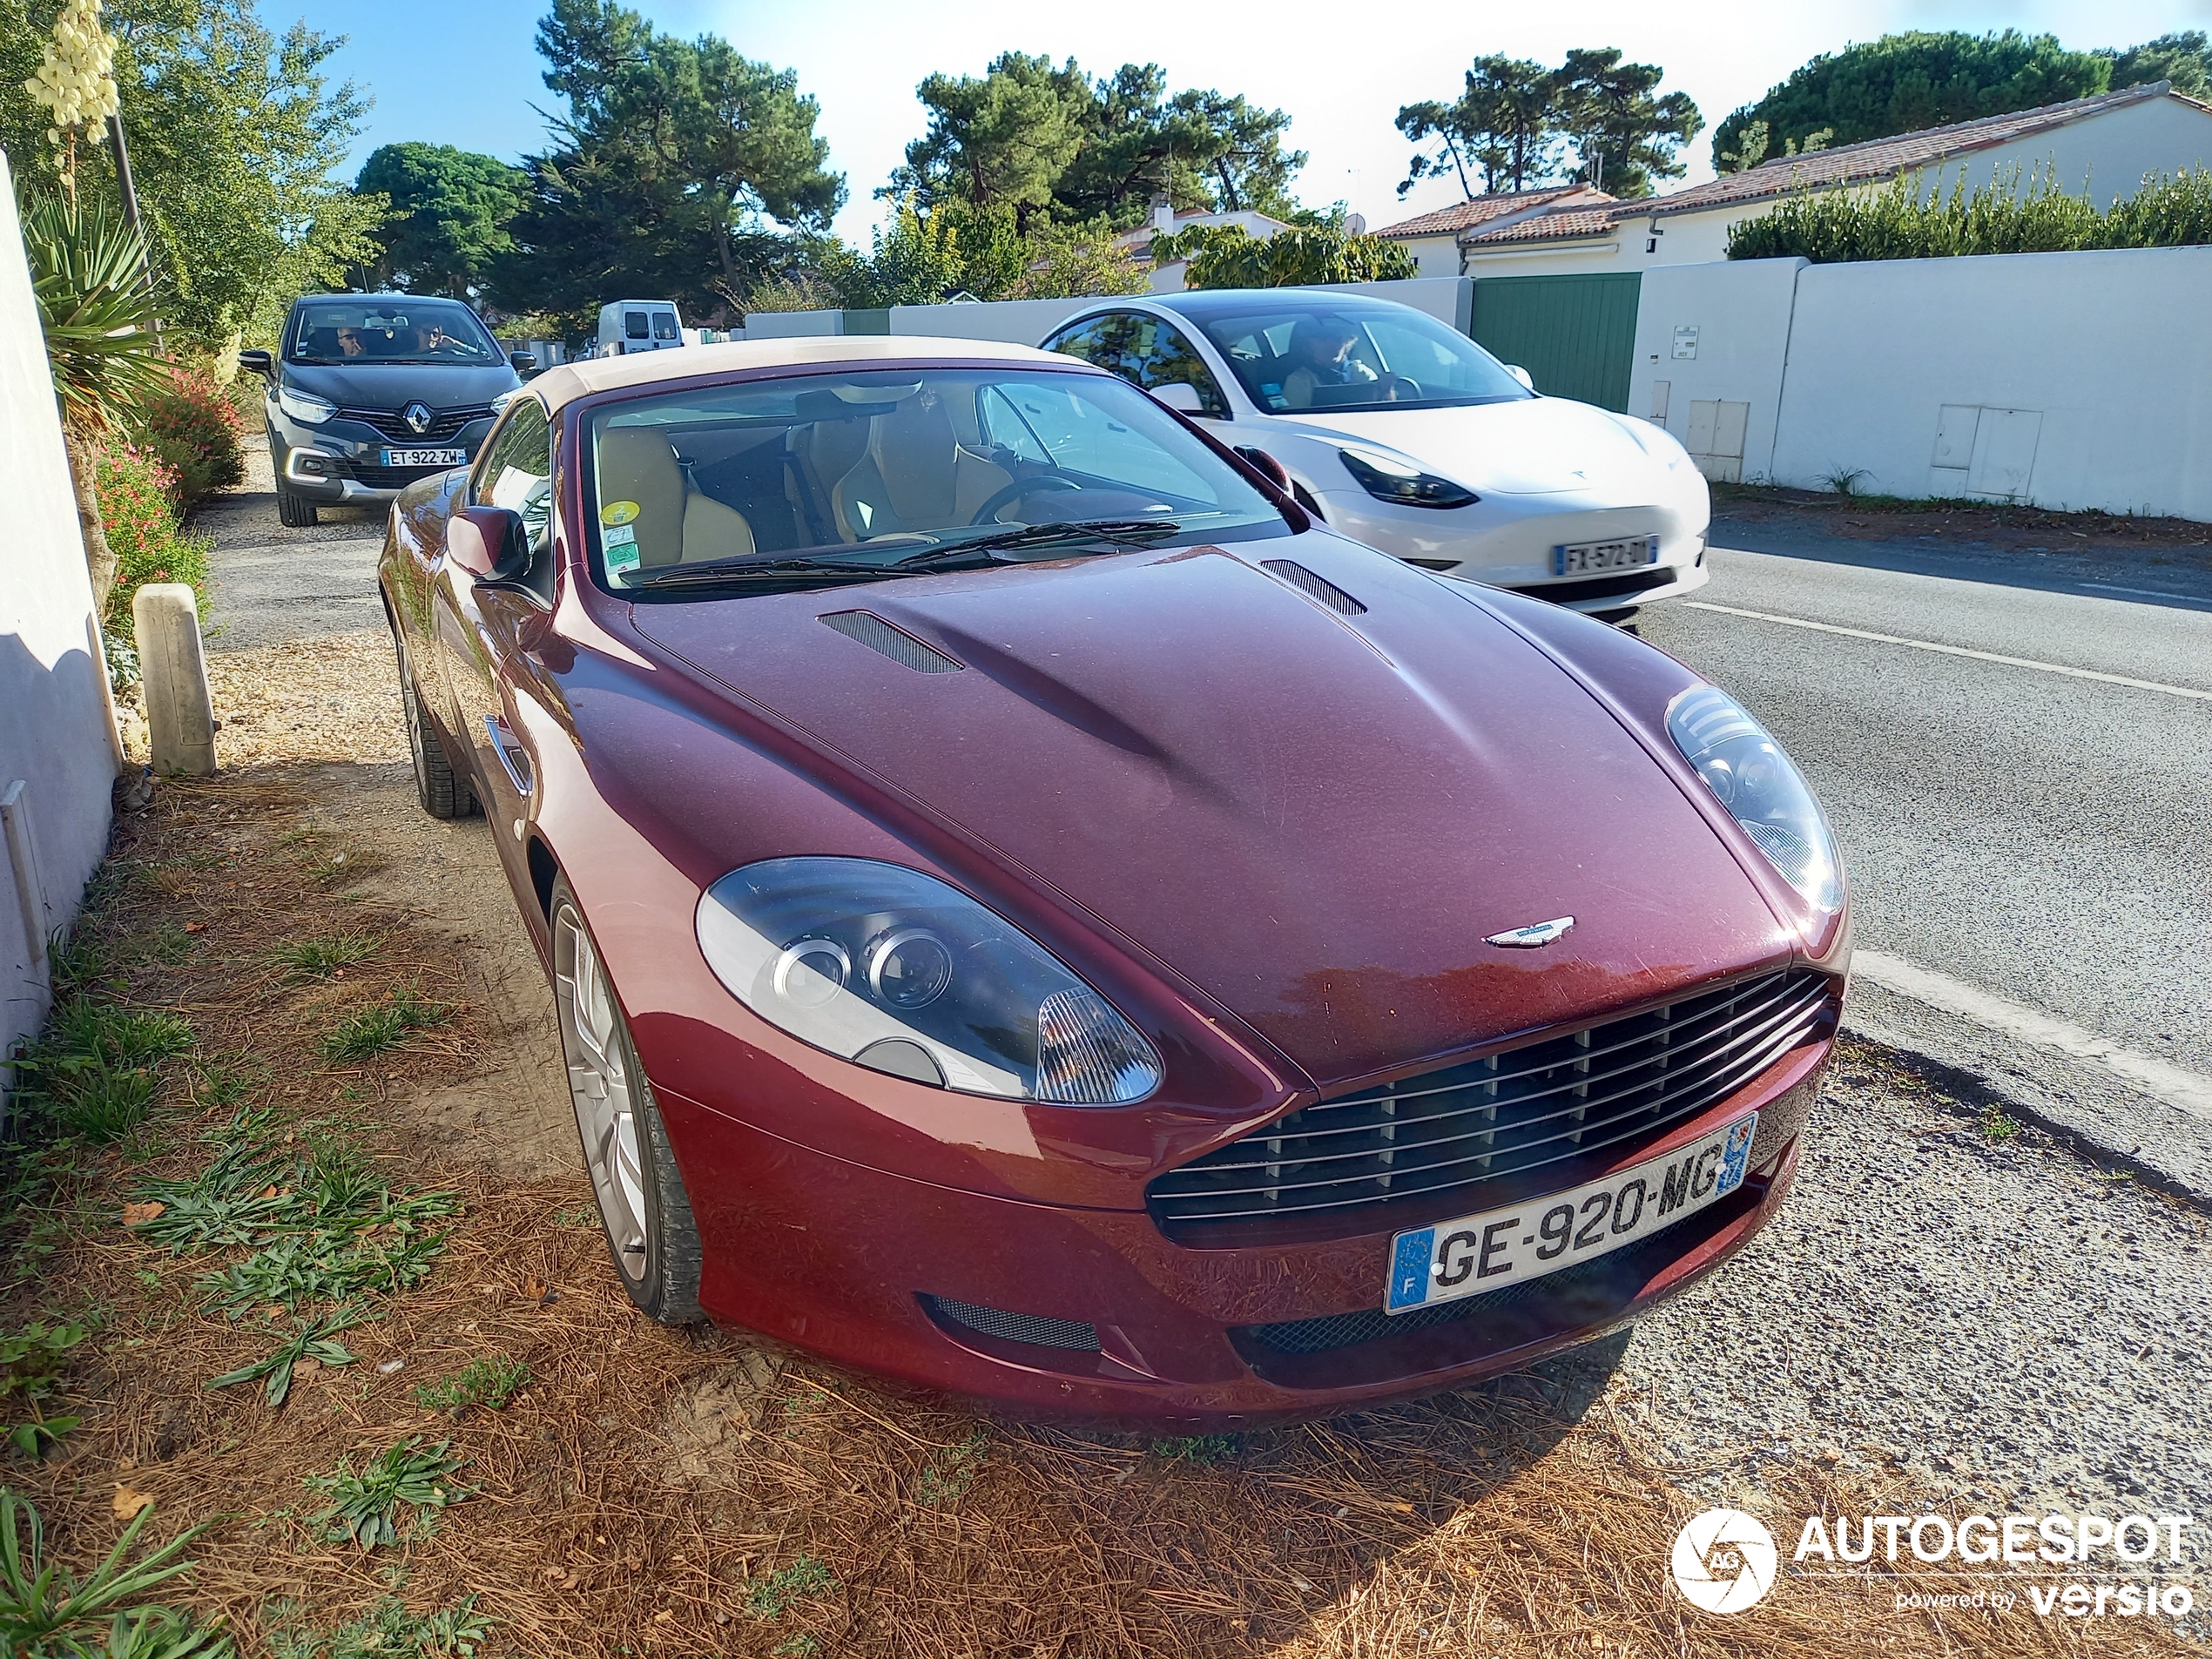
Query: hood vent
(895, 642)
(1323, 593)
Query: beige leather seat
(676, 524)
(914, 474)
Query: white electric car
(1404, 434)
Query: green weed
(1196, 1448)
(795, 1647)
(46, 1613)
(368, 1032)
(320, 1266)
(952, 1470)
(385, 1631)
(489, 1383)
(769, 1598)
(1995, 1126)
(164, 941)
(364, 1508)
(32, 1362)
(104, 1103)
(312, 959)
(317, 1341)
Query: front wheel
(295, 511)
(647, 1214)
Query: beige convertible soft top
(571, 380)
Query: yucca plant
(47, 1614)
(88, 275)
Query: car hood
(393, 386)
(1315, 819)
(1529, 447)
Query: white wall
(1733, 321)
(2108, 352)
(1017, 322)
(54, 712)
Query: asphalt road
(2030, 845)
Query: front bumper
(1092, 1314)
(339, 462)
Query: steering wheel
(1400, 388)
(1018, 488)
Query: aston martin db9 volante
(1035, 915)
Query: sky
(467, 73)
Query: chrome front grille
(1598, 1091)
(443, 424)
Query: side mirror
(258, 362)
(488, 543)
(1522, 376)
(522, 361)
(1267, 467)
(1180, 396)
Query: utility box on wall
(1984, 452)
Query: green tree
(1906, 82)
(1222, 256)
(236, 135)
(1003, 137)
(664, 173)
(1627, 136)
(2184, 58)
(449, 213)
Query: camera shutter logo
(1724, 1561)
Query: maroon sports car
(1035, 915)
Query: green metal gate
(1575, 335)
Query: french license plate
(426, 457)
(1585, 558)
(1541, 1235)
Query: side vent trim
(1313, 587)
(891, 641)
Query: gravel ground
(1991, 1311)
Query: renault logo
(1537, 932)
(417, 417)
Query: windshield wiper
(1128, 531)
(722, 571)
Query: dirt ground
(685, 1493)
(1962, 524)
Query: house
(2105, 146)
(1435, 239)
(1168, 279)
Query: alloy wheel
(601, 1083)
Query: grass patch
(368, 1032)
(489, 1383)
(946, 1476)
(104, 1103)
(365, 1507)
(385, 1631)
(314, 959)
(806, 1577)
(1196, 1448)
(92, 1072)
(1995, 1126)
(31, 1363)
(46, 1613)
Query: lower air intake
(1033, 1328)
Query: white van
(639, 325)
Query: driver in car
(1321, 354)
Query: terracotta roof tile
(1588, 221)
(1462, 216)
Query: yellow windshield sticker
(618, 512)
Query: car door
(486, 631)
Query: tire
(443, 792)
(651, 1236)
(294, 512)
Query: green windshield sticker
(623, 559)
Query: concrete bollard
(179, 714)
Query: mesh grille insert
(895, 642)
(1314, 587)
(1033, 1328)
(1545, 1104)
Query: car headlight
(1762, 788)
(893, 969)
(1387, 478)
(305, 407)
(501, 399)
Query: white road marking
(1955, 650)
(2189, 1090)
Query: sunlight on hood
(1519, 448)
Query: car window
(665, 326)
(634, 325)
(874, 466)
(1295, 353)
(362, 331)
(1144, 351)
(518, 468)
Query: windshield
(1315, 352)
(864, 476)
(370, 331)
